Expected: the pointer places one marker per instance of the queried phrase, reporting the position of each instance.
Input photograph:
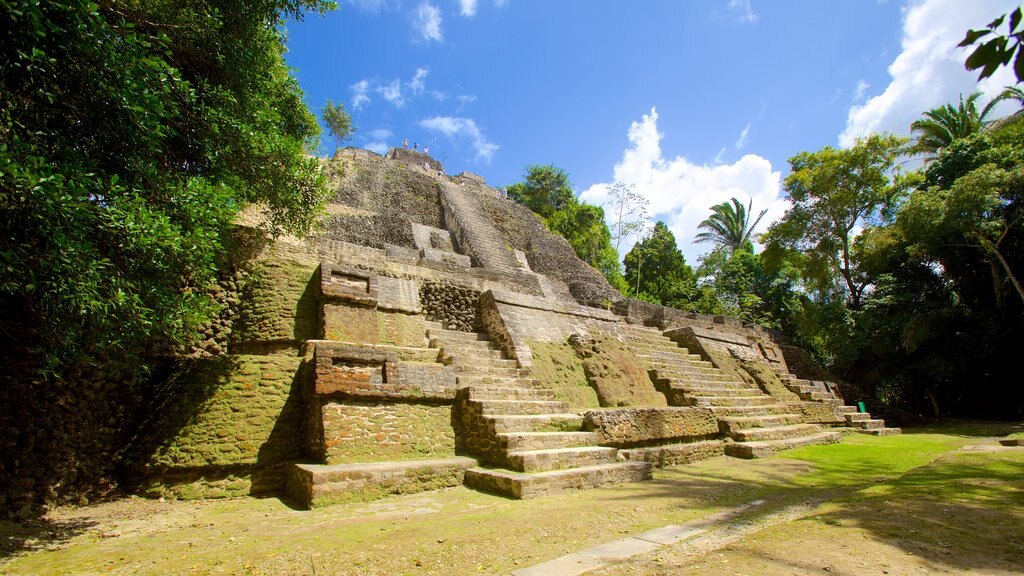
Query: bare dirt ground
(916, 504)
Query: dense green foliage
(132, 132)
(548, 192)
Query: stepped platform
(521, 485)
(312, 485)
(750, 450)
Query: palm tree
(729, 225)
(941, 126)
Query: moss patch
(616, 373)
(354, 324)
(766, 379)
(380, 432)
(559, 368)
(218, 421)
(277, 302)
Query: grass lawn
(896, 505)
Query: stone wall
(223, 426)
(635, 427)
(455, 307)
(379, 431)
(558, 368)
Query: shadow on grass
(36, 535)
(969, 428)
(958, 510)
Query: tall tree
(833, 191)
(132, 133)
(729, 225)
(338, 121)
(629, 208)
(656, 269)
(545, 190)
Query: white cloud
(860, 91)
(681, 193)
(468, 7)
(742, 140)
(379, 134)
(929, 71)
(745, 12)
(392, 92)
(359, 97)
(456, 128)
(426, 20)
(416, 84)
(378, 146)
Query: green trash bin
(861, 408)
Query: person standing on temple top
(405, 143)
(415, 146)
(426, 149)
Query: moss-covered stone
(348, 323)
(558, 367)
(616, 373)
(219, 422)
(367, 431)
(277, 302)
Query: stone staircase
(756, 423)
(531, 443)
(821, 391)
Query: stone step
(700, 391)
(847, 410)
(684, 371)
(675, 454)
(520, 407)
(732, 423)
(450, 335)
(881, 431)
(463, 344)
(856, 417)
(483, 370)
(774, 433)
(750, 401)
(312, 485)
(534, 423)
(464, 354)
(768, 448)
(520, 485)
(508, 393)
(467, 364)
(675, 358)
(520, 441)
(725, 411)
(872, 424)
(559, 458)
(488, 380)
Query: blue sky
(692, 102)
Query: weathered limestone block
(615, 373)
(339, 283)
(354, 371)
(629, 427)
(381, 431)
(346, 323)
(676, 454)
(311, 485)
(820, 412)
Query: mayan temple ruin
(437, 334)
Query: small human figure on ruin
(405, 143)
(415, 146)
(426, 149)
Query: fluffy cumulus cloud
(681, 193)
(359, 94)
(468, 7)
(392, 92)
(929, 71)
(417, 82)
(426, 21)
(457, 128)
